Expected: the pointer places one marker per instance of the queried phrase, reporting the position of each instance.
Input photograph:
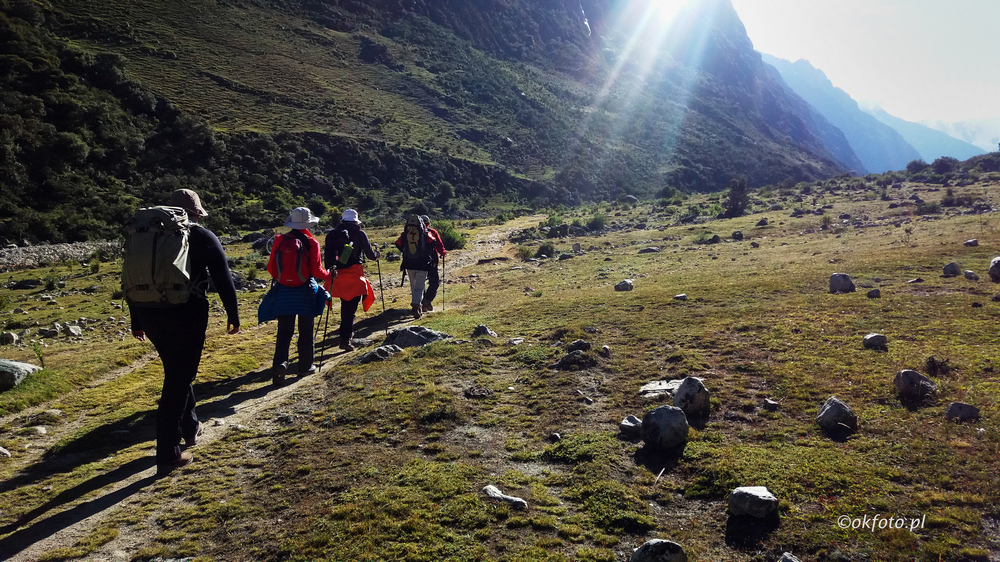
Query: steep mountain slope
(389, 105)
(984, 133)
(929, 143)
(878, 145)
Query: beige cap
(189, 201)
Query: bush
(597, 222)
(453, 239)
(546, 249)
(523, 253)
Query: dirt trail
(61, 526)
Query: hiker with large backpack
(346, 248)
(165, 275)
(296, 267)
(433, 279)
(416, 247)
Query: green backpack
(156, 271)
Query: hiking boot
(308, 371)
(185, 459)
(278, 373)
(416, 311)
(193, 440)
(346, 346)
(428, 307)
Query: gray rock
(563, 257)
(756, 501)
(4, 453)
(13, 372)
(875, 294)
(787, 557)
(659, 550)
(515, 341)
(681, 297)
(755, 245)
(972, 243)
(877, 342)
(664, 427)
(995, 270)
(25, 284)
(762, 222)
(913, 386)
(414, 336)
(47, 333)
(962, 412)
(625, 285)
(605, 351)
(659, 389)
(693, 398)
(631, 427)
(482, 330)
(650, 250)
(494, 493)
(574, 359)
(738, 235)
(380, 353)
(73, 331)
(841, 283)
(952, 270)
(771, 405)
(582, 345)
(971, 275)
(9, 338)
(577, 248)
(836, 417)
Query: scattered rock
(625, 285)
(738, 235)
(841, 283)
(659, 550)
(380, 353)
(878, 342)
(952, 270)
(762, 222)
(916, 280)
(664, 427)
(631, 427)
(837, 417)
(787, 557)
(972, 243)
(875, 294)
(754, 245)
(771, 405)
(4, 453)
(977, 305)
(659, 389)
(693, 398)
(574, 359)
(962, 412)
(994, 271)
(494, 493)
(13, 372)
(913, 386)
(73, 331)
(582, 345)
(971, 275)
(650, 250)
(414, 336)
(482, 330)
(681, 297)
(26, 284)
(605, 351)
(478, 392)
(9, 338)
(515, 341)
(563, 257)
(756, 501)
(555, 437)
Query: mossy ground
(386, 461)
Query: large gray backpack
(156, 271)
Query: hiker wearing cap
(296, 267)
(433, 279)
(177, 331)
(416, 247)
(346, 248)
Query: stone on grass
(875, 294)
(664, 427)
(494, 493)
(73, 331)
(582, 345)
(414, 336)
(631, 427)
(952, 270)
(681, 297)
(625, 285)
(837, 417)
(972, 243)
(659, 550)
(841, 283)
(738, 235)
(574, 360)
(9, 338)
(605, 351)
(913, 386)
(788, 557)
(659, 389)
(650, 250)
(756, 501)
(962, 412)
(878, 342)
(13, 372)
(995, 269)
(4, 453)
(482, 330)
(693, 398)
(380, 353)
(771, 405)
(971, 275)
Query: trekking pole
(326, 325)
(381, 293)
(442, 283)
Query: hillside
(879, 147)
(384, 105)
(930, 143)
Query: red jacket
(312, 266)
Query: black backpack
(339, 249)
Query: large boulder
(380, 353)
(878, 342)
(962, 412)
(756, 501)
(693, 398)
(9, 338)
(995, 269)
(624, 285)
(912, 386)
(837, 417)
(952, 270)
(414, 336)
(659, 550)
(13, 372)
(665, 427)
(841, 283)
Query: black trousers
(178, 334)
(348, 310)
(306, 343)
(433, 282)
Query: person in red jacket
(433, 279)
(296, 265)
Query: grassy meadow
(386, 461)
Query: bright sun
(665, 10)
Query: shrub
(453, 239)
(503, 217)
(546, 249)
(597, 222)
(95, 267)
(51, 282)
(523, 253)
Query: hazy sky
(917, 59)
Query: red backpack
(290, 256)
